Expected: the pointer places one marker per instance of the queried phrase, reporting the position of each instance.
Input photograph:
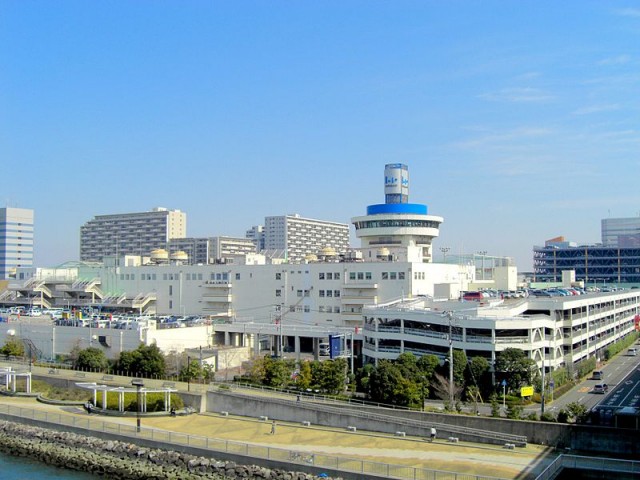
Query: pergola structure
(10, 377)
(105, 389)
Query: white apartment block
(211, 249)
(130, 233)
(16, 240)
(299, 237)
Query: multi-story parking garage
(558, 331)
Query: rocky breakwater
(114, 459)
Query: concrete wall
(579, 438)
(51, 340)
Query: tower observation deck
(397, 230)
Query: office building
(621, 232)
(256, 234)
(16, 240)
(130, 233)
(297, 237)
(593, 264)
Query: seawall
(124, 460)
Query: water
(21, 468)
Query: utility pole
(450, 317)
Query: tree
(13, 348)
(92, 358)
(146, 361)
(515, 367)
(427, 365)
(332, 376)
(478, 375)
(191, 371)
(304, 376)
(383, 382)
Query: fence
(608, 465)
(291, 458)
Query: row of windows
(392, 275)
(419, 276)
(359, 275)
(329, 276)
(328, 309)
(329, 293)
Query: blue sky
(519, 120)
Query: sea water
(21, 468)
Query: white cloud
(628, 12)
(596, 109)
(518, 95)
(617, 60)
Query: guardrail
(294, 458)
(608, 465)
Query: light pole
(444, 251)
(482, 254)
(138, 383)
(450, 318)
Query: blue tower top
(396, 193)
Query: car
(598, 375)
(601, 388)
(473, 296)
(632, 352)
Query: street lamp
(482, 254)
(450, 317)
(444, 251)
(138, 383)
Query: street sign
(504, 383)
(526, 391)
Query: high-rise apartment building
(621, 232)
(130, 233)
(16, 240)
(297, 237)
(203, 251)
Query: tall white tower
(397, 230)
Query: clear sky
(519, 120)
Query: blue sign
(335, 346)
(504, 383)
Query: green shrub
(155, 401)
(547, 417)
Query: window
(360, 276)
(336, 275)
(321, 309)
(299, 293)
(336, 293)
(237, 276)
(306, 293)
(278, 292)
(321, 293)
(336, 309)
(170, 304)
(352, 275)
(329, 276)
(278, 276)
(153, 276)
(307, 309)
(320, 276)
(385, 275)
(170, 289)
(212, 276)
(393, 275)
(329, 293)
(199, 276)
(368, 275)
(400, 275)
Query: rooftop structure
(396, 229)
